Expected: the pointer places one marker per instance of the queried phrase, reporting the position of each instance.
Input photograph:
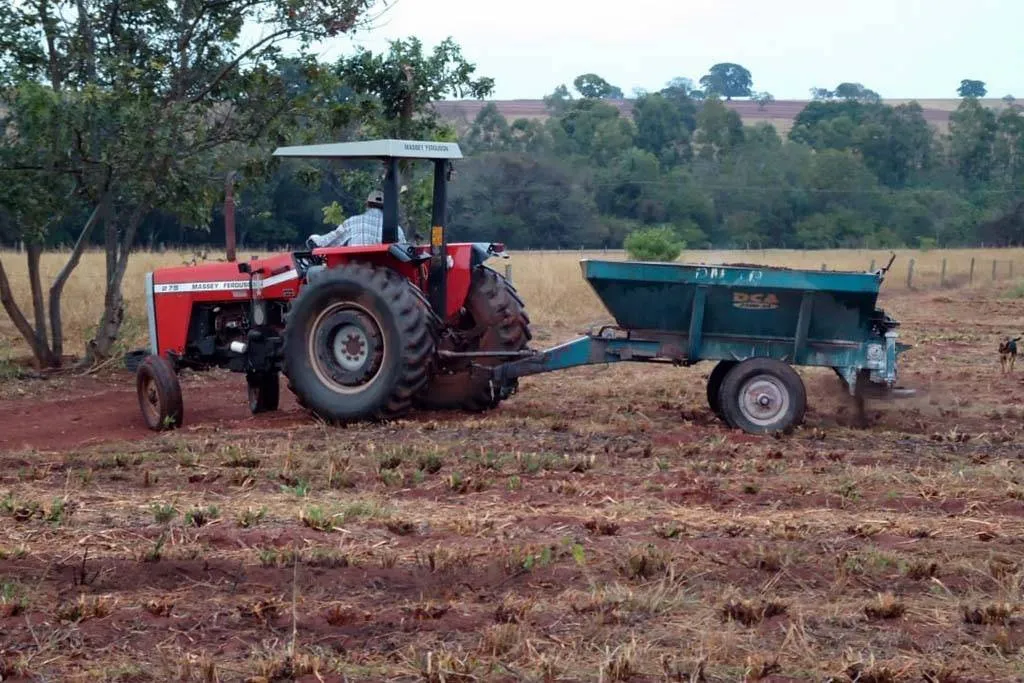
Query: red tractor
(360, 332)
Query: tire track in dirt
(64, 417)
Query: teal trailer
(755, 322)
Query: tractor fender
(481, 251)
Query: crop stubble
(600, 525)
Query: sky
(899, 48)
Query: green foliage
(856, 92)
(405, 81)
(592, 86)
(1016, 291)
(972, 88)
(654, 244)
(727, 80)
(334, 215)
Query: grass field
(601, 525)
(550, 281)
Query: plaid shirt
(362, 229)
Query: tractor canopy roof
(374, 149)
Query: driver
(362, 229)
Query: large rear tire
(159, 394)
(495, 319)
(357, 344)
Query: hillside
(779, 113)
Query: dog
(1008, 353)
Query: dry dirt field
(601, 525)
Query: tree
(971, 88)
(719, 129)
(158, 95)
(35, 195)
(662, 128)
(559, 100)
(521, 200)
(593, 86)
(489, 132)
(405, 81)
(763, 99)
(856, 92)
(727, 80)
(972, 130)
(658, 243)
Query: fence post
(970, 278)
(994, 262)
(1011, 270)
(871, 268)
(910, 274)
(823, 266)
(942, 277)
(508, 272)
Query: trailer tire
(264, 392)
(715, 385)
(159, 393)
(372, 372)
(762, 396)
(496, 320)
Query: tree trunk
(33, 253)
(57, 288)
(118, 251)
(44, 357)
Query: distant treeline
(852, 172)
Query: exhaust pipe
(229, 215)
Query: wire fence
(910, 270)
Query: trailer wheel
(715, 385)
(264, 392)
(495, 320)
(762, 396)
(159, 394)
(357, 344)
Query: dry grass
(680, 551)
(558, 298)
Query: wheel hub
(350, 347)
(764, 400)
(346, 347)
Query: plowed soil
(600, 525)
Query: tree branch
(57, 288)
(231, 66)
(42, 353)
(33, 252)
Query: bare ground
(600, 525)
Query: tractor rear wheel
(357, 344)
(495, 319)
(159, 394)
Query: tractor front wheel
(159, 394)
(357, 344)
(762, 396)
(495, 319)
